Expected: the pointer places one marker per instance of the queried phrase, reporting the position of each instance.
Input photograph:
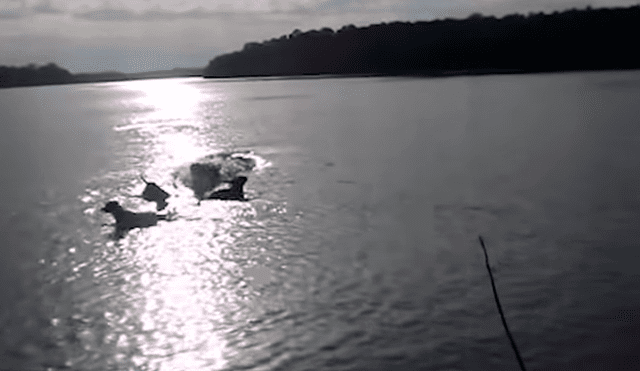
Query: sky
(146, 35)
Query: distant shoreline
(16, 77)
(92, 81)
(416, 74)
(574, 40)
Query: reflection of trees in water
(571, 40)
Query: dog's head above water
(238, 181)
(111, 206)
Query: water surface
(358, 248)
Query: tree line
(588, 39)
(50, 74)
(32, 75)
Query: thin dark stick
(495, 295)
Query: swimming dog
(152, 192)
(209, 172)
(126, 220)
(204, 178)
(236, 192)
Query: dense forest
(589, 39)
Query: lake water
(358, 249)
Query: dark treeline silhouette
(99, 76)
(32, 75)
(49, 74)
(589, 39)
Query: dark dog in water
(204, 178)
(209, 172)
(236, 192)
(126, 220)
(152, 192)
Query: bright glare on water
(178, 288)
(357, 249)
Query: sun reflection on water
(172, 296)
(184, 291)
(166, 99)
(181, 288)
(178, 148)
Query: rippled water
(358, 248)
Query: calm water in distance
(358, 249)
